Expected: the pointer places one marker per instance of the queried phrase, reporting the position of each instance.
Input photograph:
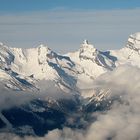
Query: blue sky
(64, 24)
(34, 5)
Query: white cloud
(121, 121)
(10, 98)
(64, 30)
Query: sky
(35, 5)
(64, 24)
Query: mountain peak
(134, 41)
(87, 46)
(45, 51)
(136, 35)
(42, 46)
(1, 44)
(85, 42)
(87, 50)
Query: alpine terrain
(42, 90)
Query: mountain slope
(35, 64)
(71, 72)
(130, 54)
(39, 84)
(92, 62)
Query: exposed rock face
(41, 71)
(134, 41)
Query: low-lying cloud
(64, 30)
(121, 121)
(9, 98)
(48, 89)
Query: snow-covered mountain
(27, 66)
(57, 83)
(25, 69)
(92, 62)
(67, 71)
(130, 53)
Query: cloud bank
(120, 121)
(64, 30)
(10, 98)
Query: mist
(48, 89)
(64, 31)
(120, 121)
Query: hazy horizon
(64, 25)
